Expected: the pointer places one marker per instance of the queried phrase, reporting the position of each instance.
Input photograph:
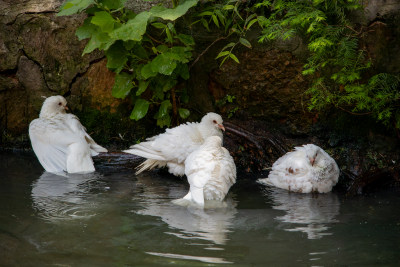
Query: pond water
(114, 218)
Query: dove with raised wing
(306, 169)
(210, 171)
(59, 140)
(172, 147)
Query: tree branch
(205, 50)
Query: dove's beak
(221, 127)
(312, 160)
(66, 108)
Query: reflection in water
(212, 223)
(186, 257)
(64, 196)
(313, 212)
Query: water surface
(114, 218)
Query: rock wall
(41, 56)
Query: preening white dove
(210, 171)
(59, 140)
(172, 147)
(306, 169)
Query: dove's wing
(49, 145)
(170, 148)
(62, 144)
(80, 131)
(173, 145)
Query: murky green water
(114, 218)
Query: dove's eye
(59, 104)
(214, 121)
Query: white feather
(306, 169)
(60, 141)
(210, 171)
(172, 147)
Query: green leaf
(142, 87)
(122, 86)
(159, 25)
(139, 51)
(113, 4)
(133, 29)
(214, 18)
(228, 45)
(183, 113)
(147, 71)
(183, 71)
(172, 13)
(163, 64)
(86, 30)
(186, 39)
(140, 109)
(232, 56)
(163, 111)
(104, 20)
(251, 23)
(223, 53)
(169, 83)
(228, 7)
(169, 36)
(205, 13)
(117, 57)
(99, 40)
(245, 42)
(205, 24)
(164, 121)
(74, 6)
(157, 89)
(220, 16)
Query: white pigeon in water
(172, 147)
(60, 141)
(210, 171)
(306, 169)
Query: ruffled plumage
(210, 171)
(306, 169)
(171, 148)
(59, 140)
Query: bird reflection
(64, 196)
(211, 223)
(310, 213)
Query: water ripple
(65, 196)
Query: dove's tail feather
(95, 149)
(144, 150)
(149, 164)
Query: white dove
(60, 141)
(306, 169)
(172, 147)
(210, 171)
